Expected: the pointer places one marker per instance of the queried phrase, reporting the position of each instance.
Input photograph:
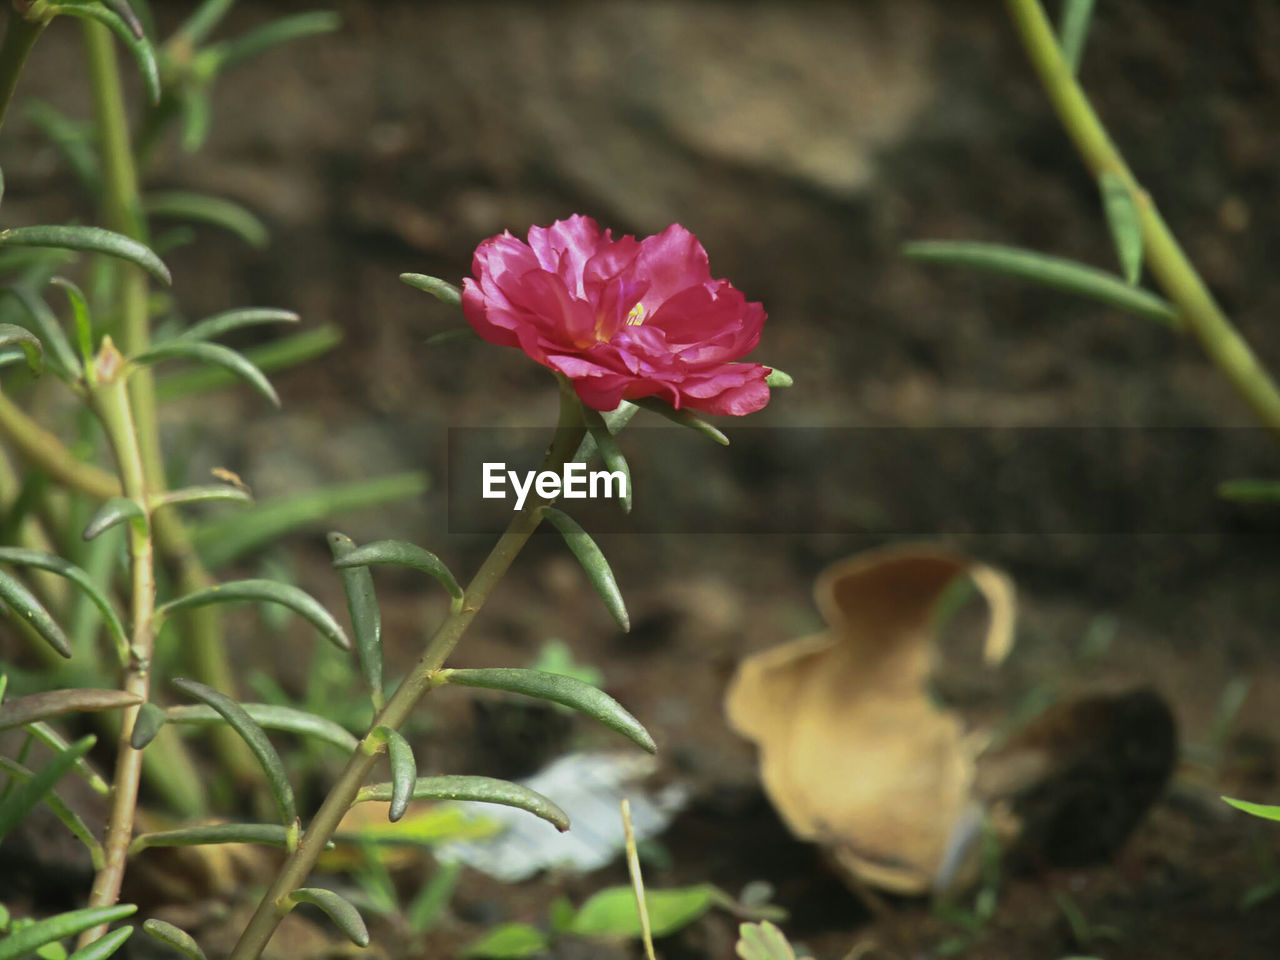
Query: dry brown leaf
(852, 752)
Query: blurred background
(803, 142)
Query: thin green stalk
(20, 35)
(1174, 273)
(40, 447)
(122, 211)
(110, 400)
(569, 433)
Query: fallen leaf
(853, 754)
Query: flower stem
(20, 35)
(1174, 273)
(110, 400)
(569, 433)
(122, 211)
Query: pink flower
(623, 319)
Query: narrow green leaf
(19, 557)
(148, 723)
(68, 817)
(778, 379)
(569, 691)
(478, 789)
(610, 453)
(203, 493)
(267, 834)
(16, 805)
(60, 927)
(228, 538)
(253, 735)
(402, 554)
(429, 902)
(174, 937)
(763, 941)
(220, 324)
(79, 314)
(448, 336)
(593, 562)
(1055, 272)
(88, 240)
(125, 12)
(404, 772)
(22, 603)
(264, 591)
(203, 20)
(684, 418)
(138, 45)
(196, 109)
(216, 354)
(35, 707)
(1263, 810)
(73, 140)
(113, 512)
(510, 941)
(346, 917)
(45, 326)
(366, 619)
(214, 211)
(1250, 491)
(613, 912)
(272, 34)
(13, 335)
(615, 420)
(271, 716)
(104, 946)
(1126, 227)
(57, 743)
(281, 354)
(1073, 30)
(442, 290)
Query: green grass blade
(104, 946)
(16, 805)
(267, 834)
(68, 817)
(214, 211)
(228, 538)
(13, 335)
(220, 324)
(684, 418)
(609, 450)
(1073, 30)
(1126, 226)
(112, 513)
(60, 927)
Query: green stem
(110, 400)
(122, 211)
(1168, 263)
(40, 447)
(20, 35)
(569, 433)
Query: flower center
(636, 316)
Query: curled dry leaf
(853, 753)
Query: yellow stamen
(636, 316)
